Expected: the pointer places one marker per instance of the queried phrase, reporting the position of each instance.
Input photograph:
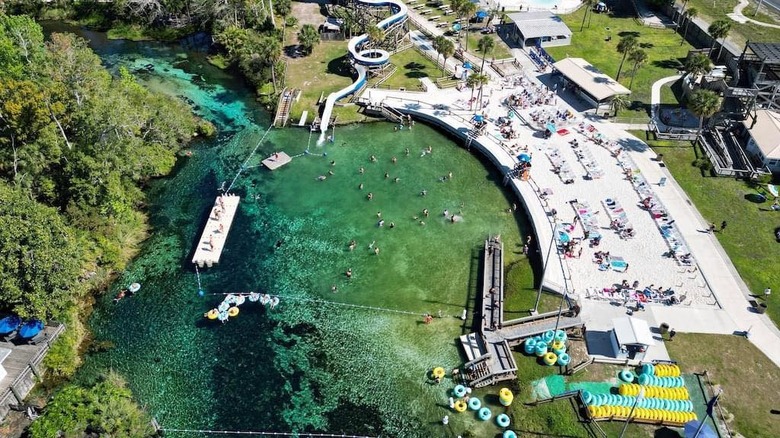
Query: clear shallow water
(309, 365)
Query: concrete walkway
(740, 18)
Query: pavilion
(539, 29)
(764, 138)
(589, 83)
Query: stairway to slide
(363, 59)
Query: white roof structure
(632, 331)
(766, 133)
(539, 24)
(590, 79)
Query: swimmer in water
(406, 151)
(423, 193)
(392, 224)
(425, 212)
(376, 250)
(394, 160)
(446, 212)
(372, 244)
(370, 196)
(333, 163)
(330, 172)
(360, 187)
(352, 245)
(322, 178)
(387, 175)
(373, 159)
(348, 273)
(361, 170)
(379, 214)
(396, 179)
(381, 223)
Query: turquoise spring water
(313, 364)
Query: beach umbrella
(551, 127)
(467, 65)
(704, 430)
(482, 14)
(478, 118)
(524, 158)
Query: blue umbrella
(457, 27)
(482, 14)
(692, 426)
(467, 65)
(524, 158)
(478, 118)
(9, 324)
(30, 328)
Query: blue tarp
(9, 324)
(30, 328)
(477, 118)
(524, 157)
(467, 65)
(692, 426)
(482, 14)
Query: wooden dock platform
(215, 233)
(489, 351)
(276, 160)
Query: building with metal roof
(764, 138)
(539, 28)
(588, 82)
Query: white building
(764, 138)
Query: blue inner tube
(484, 414)
(587, 397)
(564, 359)
(459, 391)
(509, 434)
(502, 420)
(474, 403)
(560, 335)
(626, 376)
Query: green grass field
(412, 66)
(749, 239)
(662, 46)
(710, 11)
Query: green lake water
(316, 363)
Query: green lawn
(740, 33)
(749, 239)
(749, 380)
(662, 46)
(412, 65)
(500, 50)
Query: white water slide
(364, 58)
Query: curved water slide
(363, 59)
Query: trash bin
(663, 328)
(761, 308)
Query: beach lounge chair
(618, 264)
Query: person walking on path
(711, 228)
(722, 225)
(672, 333)
(767, 293)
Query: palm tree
(464, 8)
(697, 64)
(638, 57)
(704, 103)
(690, 14)
(375, 35)
(619, 103)
(308, 37)
(588, 4)
(626, 45)
(719, 30)
(682, 12)
(474, 81)
(486, 44)
(443, 46)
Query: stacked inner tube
(505, 396)
(529, 346)
(667, 370)
(622, 412)
(550, 358)
(675, 393)
(666, 382)
(626, 376)
(564, 359)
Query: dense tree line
(76, 144)
(246, 30)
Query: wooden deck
(215, 233)
(24, 367)
(489, 351)
(276, 160)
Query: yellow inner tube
(505, 393)
(212, 314)
(550, 358)
(460, 406)
(438, 372)
(233, 311)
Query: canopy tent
(482, 14)
(704, 430)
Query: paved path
(740, 18)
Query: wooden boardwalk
(277, 160)
(215, 233)
(24, 368)
(489, 351)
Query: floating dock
(276, 160)
(212, 241)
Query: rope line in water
(333, 303)
(242, 432)
(197, 275)
(251, 154)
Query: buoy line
(259, 433)
(251, 154)
(333, 303)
